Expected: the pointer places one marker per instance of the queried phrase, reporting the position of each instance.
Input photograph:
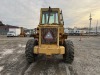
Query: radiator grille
(53, 32)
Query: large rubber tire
(69, 51)
(29, 50)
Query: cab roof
(53, 9)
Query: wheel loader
(50, 38)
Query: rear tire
(29, 50)
(69, 51)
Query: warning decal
(48, 36)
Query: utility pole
(90, 23)
(97, 27)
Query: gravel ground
(87, 55)
(13, 62)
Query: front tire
(69, 51)
(29, 50)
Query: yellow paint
(49, 49)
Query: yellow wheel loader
(50, 38)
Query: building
(66, 30)
(5, 28)
(76, 31)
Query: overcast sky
(26, 12)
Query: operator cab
(51, 16)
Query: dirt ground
(13, 61)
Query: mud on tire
(69, 51)
(29, 50)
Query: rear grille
(52, 31)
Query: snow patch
(7, 51)
(0, 57)
(14, 59)
(20, 45)
(8, 74)
(1, 68)
(21, 51)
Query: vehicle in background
(10, 33)
(14, 32)
(22, 32)
(28, 34)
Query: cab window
(53, 17)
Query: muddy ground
(13, 62)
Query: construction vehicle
(50, 38)
(22, 34)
